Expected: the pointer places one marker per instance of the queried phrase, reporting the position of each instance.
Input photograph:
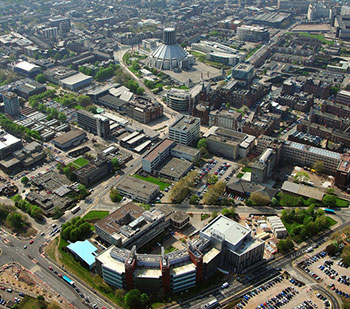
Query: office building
(264, 166)
(138, 189)
(342, 176)
(143, 109)
(94, 171)
(157, 155)
(300, 5)
(222, 242)
(253, 33)
(178, 99)
(229, 144)
(130, 225)
(185, 130)
(11, 103)
(93, 123)
(243, 72)
(227, 119)
(343, 97)
(318, 11)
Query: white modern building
(185, 130)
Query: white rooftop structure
(7, 140)
(27, 66)
(76, 78)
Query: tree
(229, 212)
(329, 200)
(212, 179)
(202, 143)
(84, 100)
(115, 164)
(301, 177)
(194, 199)
(260, 199)
(214, 193)
(285, 245)
(82, 191)
(62, 117)
(24, 180)
(36, 212)
(40, 78)
(68, 171)
(16, 220)
(330, 191)
(65, 233)
(331, 249)
(133, 299)
(74, 234)
(318, 166)
(114, 195)
(346, 255)
(91, 109)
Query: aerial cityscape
(175, 154)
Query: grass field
(96, 215)
(331, 221)
(341, 203)
(246, 169)
(162, 185)
(319, 37)
(81, 162)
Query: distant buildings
(185, 130)
(26, 68)
(244, 73)
(8, 144)
(11, 103)
(76, 81)
(227, 119)
(318, 11)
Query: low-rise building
(8, 144)
(277, 226)
(138, 189)
(70, 139)
(76, 81)
(227, 119)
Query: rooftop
(165, 144)
(85, 250)
(66, 137)
(137, 186)
(231, 231)
(184, 122)
(27, 66)
(175, 168)
(318, 151)
(186, 149)
(76, 78)
(302, 190)
(7, 140)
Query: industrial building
(169, 55)
(11, 103)
(93, 123)
(222, 243)
(70, 139)
(26, 68)
(185, 130)
(76, 81)
(138, 189)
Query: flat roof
(109, 262)
(315, 150)
(232, 231)
(184, 122)
(186, 149)
(137, 186)
(302, 190)
(27, 66)
(76, 78)
(175, 168)
(85, 250)
(6, 140)
(159, 149)
(143, 272)
(66, 137)
(183, 269)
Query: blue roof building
(84, 251)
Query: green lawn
(162, 185)
(331, 221)
(246, 169)
(81, 162)
(341, 203)
(240, 175)
(319, 37)
(29, 302)
(96, 215)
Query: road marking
(34, 269)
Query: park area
(162, 185)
